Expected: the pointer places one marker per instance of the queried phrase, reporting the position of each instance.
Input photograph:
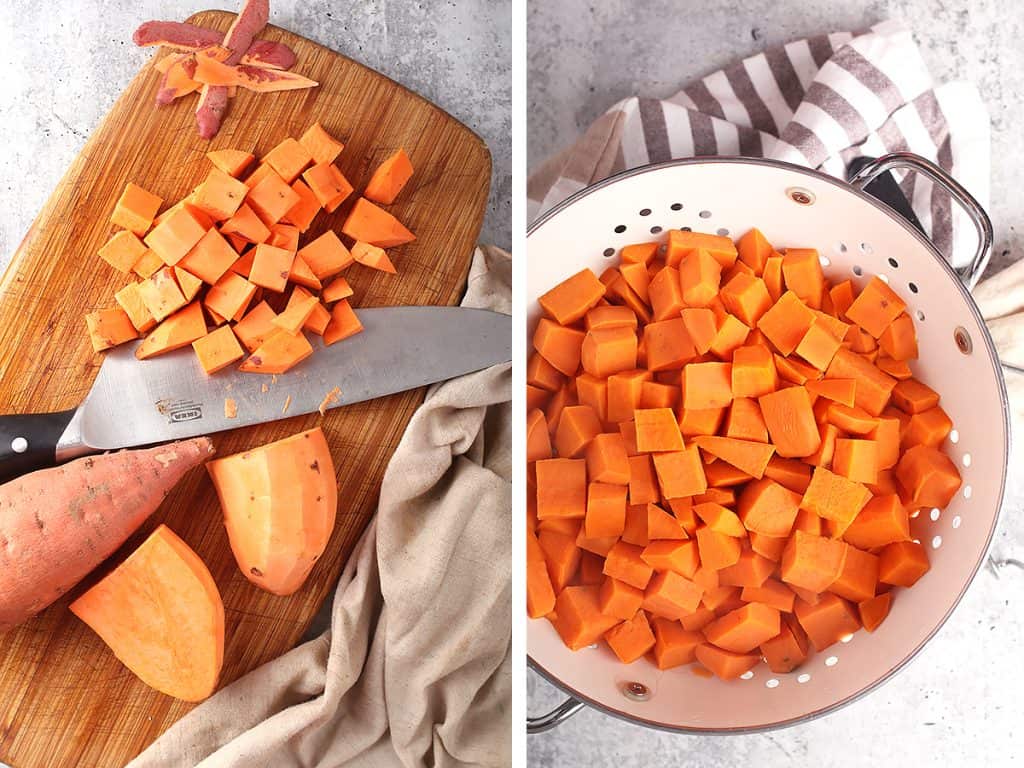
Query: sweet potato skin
(57, 525)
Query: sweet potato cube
(657, 430)
(322, 147)
(217, 349)
(176, 235)
(928, 475)
(330, 187)
(374, 225)
(700, 275)
(818, 346)
(753, 372)
(229, 297)
(298, 310)
(902, 563)
(746, 297)
(278, 354)
(303, 212)
(570, 300)
(834, 498)
(707, 385)
(883, 520)
(671, 596)
(561, 488)
(724, 664)
(619, 599)
(874, 610)
(289, 158)
(344, 323)
(717, 550)
(123, 251)
(606, 510)
(326, 255)
(220, 195)
(744, 629)
(178, 330)
(302, 275)
(876, 307)
(284, 236)
(631, 639)
(148, 264)
(668, 345)
(911, 396)
(827, 621)
(680, 473)
(801, 269)
(389, 178)
(786, 323)
(161, 294)
(812, 562)
(210, 259)
(858, 579)
(272, 198)
(373, 257)
(271, 266)
(576, 428)
(257, 325)
(130, 299)
(246, 224)
(135, 210)
(856, 460)
(674, 646)
(682, 242)
(748, 456)
(624, 562)
(188, 283)
(788, 649)
(680, 556)
(561, 555)
(768, 508)
(578, 617)
(232, 161)
(540, 596)
(790, 421)
(336, 290)
(109, 327)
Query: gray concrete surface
(63, 70)
(957, 703)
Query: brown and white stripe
(819, 102)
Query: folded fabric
(819, 102)
(416, 668)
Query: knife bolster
(28, 441)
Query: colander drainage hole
(676, 206)
(803, 678)
(773, 683)
(857, 270)
(655, 230)
(935, 513)
(723, 232)
(968, 491)
(705, 214)
(893, 263)
(620, 229)
(746, 675)
(609, 252)
(966, 460)
(645, 211)
(866, 248)
(956, 522)
(912, 287)
(831, 661)
(845, 638)
(824, 260)
(954, 436)
(841, 247)
(915, 513)
(884, 278)
(936, 542)
(920, 315)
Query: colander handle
(555, 717)
(970, 274)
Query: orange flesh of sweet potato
(389, 178)
(374, 225)
(92, 506)
(279, 503)
(161, 614)
(279, 352)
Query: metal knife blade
(136, 402)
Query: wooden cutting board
(64, 699)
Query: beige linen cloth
(416, 667)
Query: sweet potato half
(279, 503)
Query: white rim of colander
(548, 215)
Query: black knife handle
(28, 441)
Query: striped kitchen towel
(819, 102)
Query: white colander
(857, 236)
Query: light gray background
(958, 703)
(64, 65)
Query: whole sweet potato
(57, 525)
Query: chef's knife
(135, 402)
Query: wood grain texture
(64, 699)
